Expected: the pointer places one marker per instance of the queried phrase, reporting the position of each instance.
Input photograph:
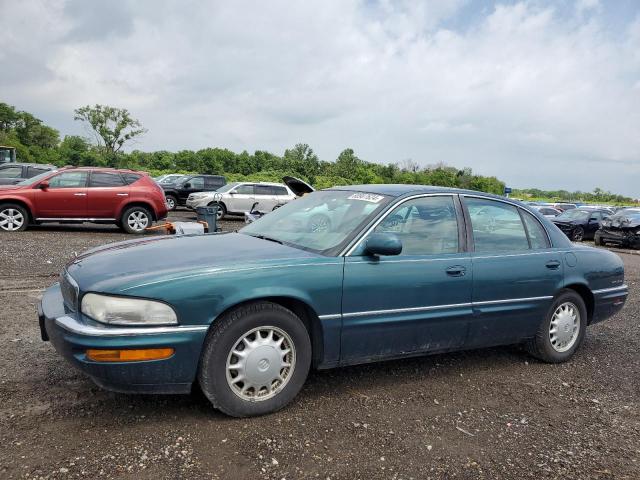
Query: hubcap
(261, 363)
(11, 219)
(565, 327)
(138, 221)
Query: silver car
(239, 197)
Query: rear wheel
(13, 218)
(255, 360)
(562, 331)
(172, 202)
(136, 219)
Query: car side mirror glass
(383, 244)
(43, 185)
(187, 185)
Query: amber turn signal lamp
(129, 355)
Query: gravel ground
(487, 414)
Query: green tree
(112, 127)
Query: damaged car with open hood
(621, 229)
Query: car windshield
(319, 221)
(228, 187)
(574, 214)
(37, 178)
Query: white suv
(239, 197)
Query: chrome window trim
(513, 204)
(348, 250)
(72, 325)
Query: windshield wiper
(264, 237)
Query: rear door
(66, 196)
(106, 193)
(417, 301)
(266, 198)
(516, 273)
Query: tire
(172, 202)
(597, 240)
(217, 380)
(136, 219)
(543, 347)
(222, 210)
(13, 218)
(578, 234)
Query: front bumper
(608, 302)
(619, 237)
(72, 335)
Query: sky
(539, 93)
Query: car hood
(567, 223)
(122, 266)
(622, 222)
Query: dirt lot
(482, 414)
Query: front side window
(196, 183)
(496, 226)
(244, 190)
(425, 226)
(11, 172)
(322, 222)
(105, 180)
(69, 180)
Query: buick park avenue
(341, 276)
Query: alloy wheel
(261, 363)
(171, 204)
(11, 219)
(138, 220)
(564, 328)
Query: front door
(241, 198)
(66, 196)
(194, 185)
(516, 273)
(418, 301)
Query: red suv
(131, 200)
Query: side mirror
(382, 244)
(43, 185)
(187, 185)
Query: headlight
(127, 311)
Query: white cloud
(500, 89)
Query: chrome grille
(69, 289)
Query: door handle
(456, 271)
(553, 264)
(122, 194)
(80, 194)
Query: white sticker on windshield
(367, 197)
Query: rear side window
(130, 178)
(11, 172)
(69, 180)
(104, 179)
(537, 234)
(281, 191)
(213, 182)
(263, 190)
(497, 226)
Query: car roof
(24, 164)
(398, 190)
(104, 169)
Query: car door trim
(622, 288)
(434, 307)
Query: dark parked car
(580, 223)
(12, 173)
(178, 192)
(131, 200)
(396, 271)
(622, 228)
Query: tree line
(113, 128)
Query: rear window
(130, 178)
(105, 180)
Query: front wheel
(221, 211)
(13, 218)
(578, 234)
(136, 220)
(562, 331)
(255, 360)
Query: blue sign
(507, 190)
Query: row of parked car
(614, 225)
